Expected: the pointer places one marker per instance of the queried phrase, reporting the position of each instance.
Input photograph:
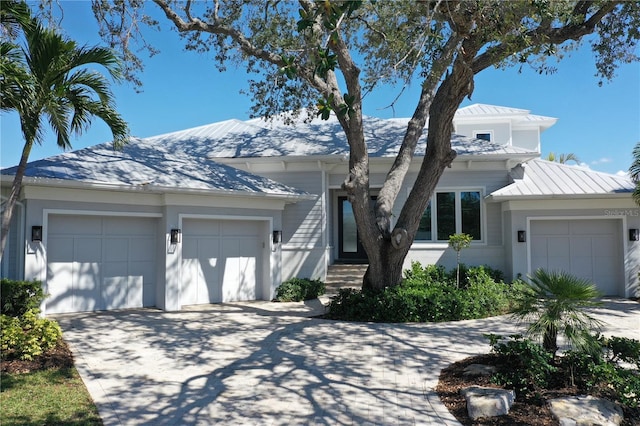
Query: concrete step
(344, 276)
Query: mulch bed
(57, 358)
(531, 413)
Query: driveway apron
(264, 363)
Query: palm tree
(48, 80)
(634, 172)
(555, 305)
(563, 158)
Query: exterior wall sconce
(277, 237)
(522, 236)
(176, 235)
(36, 233)
(634, 234)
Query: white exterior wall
(304, 226)
(521, 213)
(500, 132)
(167, 216)
(527, 139)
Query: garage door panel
(239, 228)
(142, 249)
(74, 225)
(539, 245)
(557, 246)
(605, 244)
(116, 250)
(588, 227)
(223, 265)
(59, 249)
(593, 251)
(200, 227)
(100, 263)
(581, 247)
(114, 292)
(87, 249)
(557, 263)
(581, 266)
(127, 226)
(59, 276)
(550, 227)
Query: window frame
(483, 132)
(458, 216)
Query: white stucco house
(229, 210)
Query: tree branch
(543, 34)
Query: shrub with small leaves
(599, 371)
(427, 295)
(525, 366)
(17, 297)
(27, 336)
(298, 289)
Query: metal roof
(517, 117)
(546, 179)
(258, 138)
(150, 165)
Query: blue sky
(183, 89)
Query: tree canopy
(324, 57)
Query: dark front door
(349, 246)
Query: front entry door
(349, 246)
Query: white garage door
(221, 260)
(100, 263)
(585, 248)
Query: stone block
(474, 370)
(487, 402)
(586, 410)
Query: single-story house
(228, 211)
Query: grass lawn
(55, 396)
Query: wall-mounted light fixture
(277, 237)
(176, 235)
(634, 234)
(522, 236)
(36, 233)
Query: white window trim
(490, 132)
(458, 214)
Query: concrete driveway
(264, 363)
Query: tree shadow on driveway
(242, 364)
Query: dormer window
(485, 136)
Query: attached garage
(100, 262)
(222, 260)
(587, 248)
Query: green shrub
(298, 289)
(427, 294)
(18, 297)
(27, 336)
(598, 371)
(524, 366)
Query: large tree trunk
(7, 213)
(387, 253)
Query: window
(455, 212)
(485, 136)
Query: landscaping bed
(530, 412)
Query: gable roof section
(257, 138)
(518, 117)
(476, 110)
(150, 165)
(540, 179)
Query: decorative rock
(586, 410)
(487, 402)
(474, 370)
